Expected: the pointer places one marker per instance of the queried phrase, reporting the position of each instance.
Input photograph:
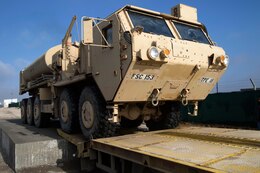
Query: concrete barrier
(24, 146)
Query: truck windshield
(191, 33)
(150, 24)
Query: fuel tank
(42, 65)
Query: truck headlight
(226, 61)
(223, 60)
(153, 53)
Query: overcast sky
(29, 27)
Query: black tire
(29, 111)
(40, 119)
(68, 109)
(126, 123)
(93, 115)
(24, 111)
(169, 119)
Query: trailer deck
(185, 149)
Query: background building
(8, 101)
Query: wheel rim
(64, 111)
(87, 114)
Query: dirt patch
(10, 113)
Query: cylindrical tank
(42, 65)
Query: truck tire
(40, 119)
(30, 111)
(93, 115)
(126, 123)
(169, 119)
(68, 108)
(24, 111)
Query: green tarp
(235, 108)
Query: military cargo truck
(136, 65)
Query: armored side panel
(171, 76)
(105, 61)
(187, 67)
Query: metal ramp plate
(188, 149)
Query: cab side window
(108, 34)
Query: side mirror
(87, 30)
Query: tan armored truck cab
(136, 65)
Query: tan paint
(69, 60)
(45, 93)
(189, 66)
(185, 12)
(171, 75)
(42, 65)
(105, 62)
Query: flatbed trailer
(185, 149)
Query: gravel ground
(9, 113)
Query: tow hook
(183, 96)
(154, 96)
(195, 109)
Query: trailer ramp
(188, 149)
(183, 150)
